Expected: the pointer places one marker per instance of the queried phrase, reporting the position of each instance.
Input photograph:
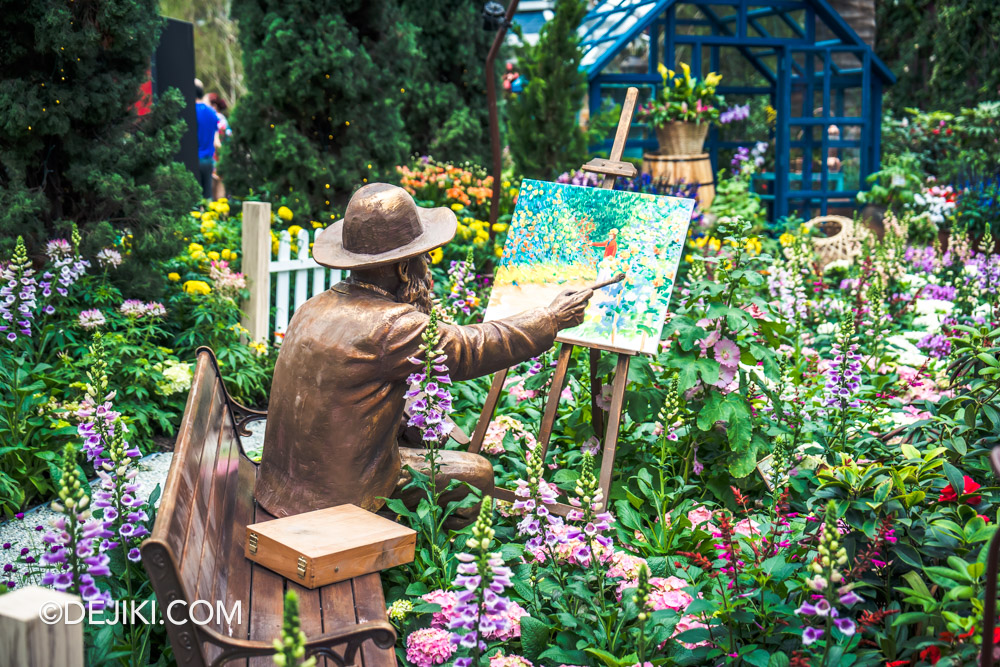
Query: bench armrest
(380, 632)
(353, 635)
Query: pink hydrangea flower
(746, 527)
(447, 600)
(701, 515)
(501, 660)
(625, 566)
(429, 646)
(689, 623)
(510, 626)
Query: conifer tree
(326, 85)
(445, 106)
(545, 138)
(72, 148)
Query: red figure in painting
(610, 246)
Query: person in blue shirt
(208, 139)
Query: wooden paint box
(329, 545)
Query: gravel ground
(152, 471)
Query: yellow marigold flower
(700, 241)
(198, 256)
(207, 225)
(688, 258)
(457, 206)
(436, 255)
(465, 232)
(214, 256)
(714, 244)
(195, 214)
(223, 200)
(209, 215)
(233, 256)
(513, 192)
(315, 225)
(294, 230)
(173, 276)
(500, 227)
(786, 239)
(197, 287)
(285, 213)
(195, 247)
(498, 250)
(226, 252)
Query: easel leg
(552, 401)
(486, 416)
(596, 413)
(614, 423)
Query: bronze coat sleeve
(472, 350)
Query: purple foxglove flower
(850, 598)
(845, 625)
(811, 635)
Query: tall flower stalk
(461, 295)
(18, 292)
(76, 545)
(431, 400)
(588, 523)
(482, 578)
(843, 379)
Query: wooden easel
(612, 168)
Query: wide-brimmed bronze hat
(383, 225)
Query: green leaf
(605, 657)
(714, 410)
(534, 637)
(955, 477)
(778, 659)
(758, 658)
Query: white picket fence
(290, 281)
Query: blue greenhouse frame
(801, 50)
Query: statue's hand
(568, 307)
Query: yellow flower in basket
(197, 287)
(285, 213)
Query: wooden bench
(195, 553)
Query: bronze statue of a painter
(337, 399)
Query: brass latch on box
(302, 567)
(253, 543)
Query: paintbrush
(610, 281)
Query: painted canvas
(566, 236)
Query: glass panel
(632, 59)
(850, 169)
(606, 22)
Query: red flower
(972, 631)
(996, 635)
(931, 654)
(897, 663)
(948, 494)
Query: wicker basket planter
(681, 138)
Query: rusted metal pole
(491, 100)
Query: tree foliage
(445, 109)
(545, 138)
(941, 51)
(72, 148)
(342, 91)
